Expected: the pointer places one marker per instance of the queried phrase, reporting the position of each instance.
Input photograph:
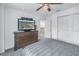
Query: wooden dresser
(23, 39)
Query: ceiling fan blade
(39, 8)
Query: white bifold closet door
(75, 28)
(68, 28)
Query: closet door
(53, 26)
(64, 25)
(68, 28)
(75, 28)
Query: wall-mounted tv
(26, 25)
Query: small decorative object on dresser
(23, 39)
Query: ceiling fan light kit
(46, 6)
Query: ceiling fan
(46, 6)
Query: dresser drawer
(24, 44)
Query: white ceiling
(31, 7)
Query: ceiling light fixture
(46, 6)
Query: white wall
(8, 25)
(11, 16)
(1, 28)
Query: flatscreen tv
(26, 25)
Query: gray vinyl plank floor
(70, 49)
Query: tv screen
(25, 25)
